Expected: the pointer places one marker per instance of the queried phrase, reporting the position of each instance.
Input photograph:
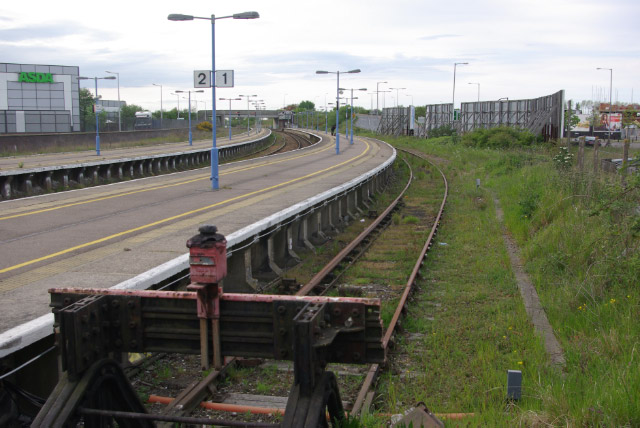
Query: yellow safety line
(133, 192)
(155, 223)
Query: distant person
(333, 130)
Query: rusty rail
(374, 369)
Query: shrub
(501, 137)
(205, 126)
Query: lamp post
(453, 99)
(178, 98)
(475, 83)
(377, 101)
(408, 95)
(230, 99)
(214, 149)
(610, 106)
(352, 89)
(96, 107)
(357, 70)
(397, 95)
(248, 97)
(155, 84)
(119, 107)
(189, 92)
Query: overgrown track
(320, 284)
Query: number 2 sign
(202, 79)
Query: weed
(21, 165)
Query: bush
(442, 131)
(501, 137)
(205, 126)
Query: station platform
(87, 156)
(104, 235)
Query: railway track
(181, 409)
(321, 283)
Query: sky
(514, 48)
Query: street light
(352, 89)
(119, 107)
(230, 99)
(190, 134)
(377, 103)
(397, 95)
(178, 98)
(453, 100)
(610, 106)
(155, 84)
(357, 70)
(408, 95)
(248, 97)
(214, 149)
(96, 107)
(474, 83)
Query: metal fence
(541, 116)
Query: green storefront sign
(35, 77)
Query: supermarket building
(39, 98)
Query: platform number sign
(224, 78)
(202, 79)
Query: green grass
(579, 239)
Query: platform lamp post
(610, 99)
(230, 99)
(214, 149)
(178, 98)
(256, 104)
(453, 99)
(357, 70)
(326, 118)
(119, 107)
(398, 95)
(475, 83)
(377, 100)
(96, 107)
(409, 95)
(190, 134)
(248, 97)
(352, 89)
(155, 84)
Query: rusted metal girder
(93, 323)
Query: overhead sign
(35, 77)
(224, 78)
(202, 79)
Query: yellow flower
(509, 327)
(520, 362)
(504, 337)
(612, 300)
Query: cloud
(439, 36)
(58, 30)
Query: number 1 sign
(224, 78)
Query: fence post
(580, 154)
(596, 146)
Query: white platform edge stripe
(25, 334)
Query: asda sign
(35, 77)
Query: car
(589, 140)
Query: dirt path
(528, 292)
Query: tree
(421, 111)
(306, 105)
(571, 122)
(630, 117)
(87, 115)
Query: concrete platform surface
(85, 156)
(101, 236)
